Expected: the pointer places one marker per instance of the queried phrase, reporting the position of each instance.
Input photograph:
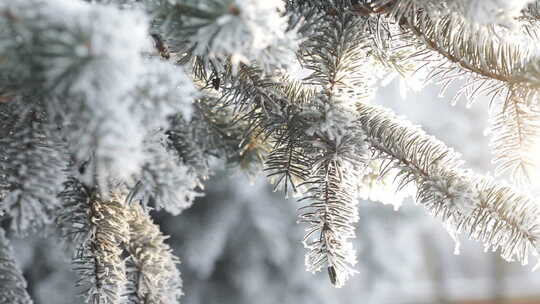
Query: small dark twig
(161, 46)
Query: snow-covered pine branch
(498, 62)
(494, 213)
(332, 210)
(165, 182)
(321, 130)
(219, 31)
(120, 255)
(333, 142)
(12, 283)
(88, 69)
(314, 141)
(515, 134)
(78, 59)
(469, 203)
(495, 12)
(284, 83)
(100, 229)
(33, 162)
(151, 267)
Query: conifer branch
(80, 84)
(334, 58)
(487, 211)
(314, 143)
(287, 166)
(454, 194)
(164, 182)
(475, 49)
(222, 32)
(82, 66)
(101, 228)
(151, 268)
(494, 64)
(12, 283)
(32, 167)
(515, 133)
(331, 213)
(313, 138)
(336, 52)
(214, 132)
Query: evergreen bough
(110, 109)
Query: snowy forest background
(404, 257)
